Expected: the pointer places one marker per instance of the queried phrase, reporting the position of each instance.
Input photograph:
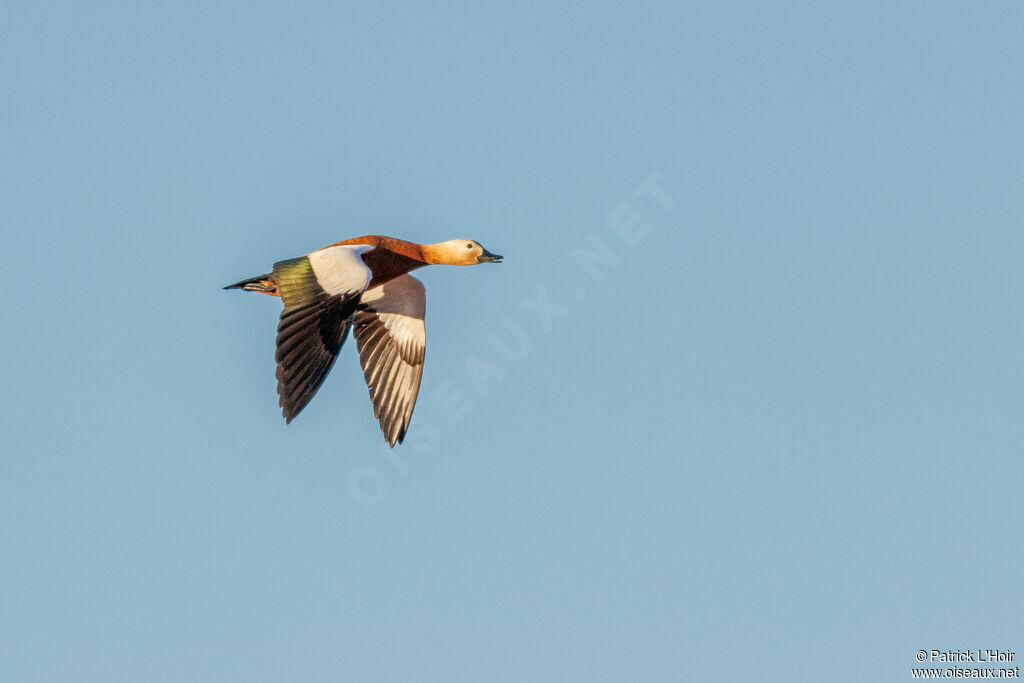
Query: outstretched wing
(320, 292)
(391, 338)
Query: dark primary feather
(308, 341)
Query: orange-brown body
(390, 258)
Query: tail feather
(261, 283)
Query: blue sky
(775, 436)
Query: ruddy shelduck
(363, 284)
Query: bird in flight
(363, 284)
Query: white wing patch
(401, 301)
(340, 270)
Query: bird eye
(469, 246)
